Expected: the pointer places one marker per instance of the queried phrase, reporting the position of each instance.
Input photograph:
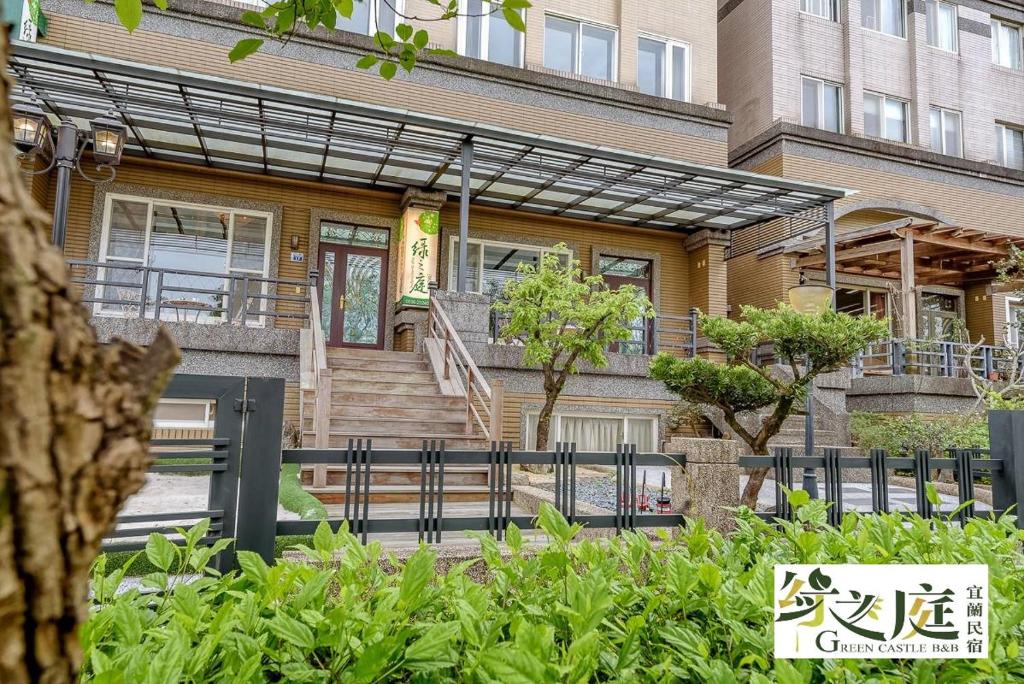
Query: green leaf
(344, 7)
(160, 551)
(323, 539)
(403, 31)
(420, 39)
(416, 574)
(367, 61)
(160, 4)
(514, 538)
(253, 567)
(514, 18)
(254, 19)
(388, 70)
(932, 494)
(129, 13)
(291, 630)
(244, 48)
(798, 497)
(433, 650)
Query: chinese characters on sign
(881, 611)
(419, 246)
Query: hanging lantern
(31, 127)
(108, 138)
(810, 299)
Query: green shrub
(694, 608)
(901, 435)
(294, 498)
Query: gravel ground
(600, 491)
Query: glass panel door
(619, 271)
(352, 295)
(938, 313)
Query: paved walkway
(857, 497)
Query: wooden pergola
(914, 253)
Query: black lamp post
(33, 131)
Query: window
(204, 244)
(618, 271)
(885, 117)
(822, 105)
(491, 263)
(597, 432)
(858, 302)
(183, 413)
(579, 48)
(1014, 319)
(886, 16)
(370, 16)
(946, 134)
(1006, 44)
(937, 316)
(485, 34)
(1010, 146)
(942, 25)
(662, 68)
(820, 8)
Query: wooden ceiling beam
(959, 244)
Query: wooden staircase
(395, 400)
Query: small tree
(562, 318)
(811, 344)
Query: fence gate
(247, 413)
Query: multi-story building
(598, 129)
(918, 106)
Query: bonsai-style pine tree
(810, 344)
(562, 318)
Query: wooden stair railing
(316, 376)
(460, 376)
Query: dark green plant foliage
(294, 498)
(902, 435)
(694, 608)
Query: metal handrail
(101, 275)
(900, 356)
(484, 405)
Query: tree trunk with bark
(758, 444)
(552, 388)
(75, 419)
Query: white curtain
(592, 434)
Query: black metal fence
(1002, 466)
(934, 358)
(243, 458)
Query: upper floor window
(484, 33)
(662, 68)
(821, 8)
(370, 16)
(947, 136)
(579, 47)
(942, 25)
(885, 117)
(1010, 146)
(1006, 44)
(822, 105)
(887, 16)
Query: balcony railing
(932, 358)
(126, 290)
(674, 334)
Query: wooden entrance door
(619, 271)
(352, 292)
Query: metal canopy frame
(188, 117)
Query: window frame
(878, 14)
(943, 111)
(578, 57)
(1012, 331)
(151, 202)
(1001, 131)
(669, 44)
(833, 6)
(821, 103)
(374, 15)
(956, 26)
(484, 242)
(485, 29)
(883, 100)
(997, 22)
(205, 424)
(556, 424)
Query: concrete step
(395, 426)
(374, 398)
(385, 387)
(385, 440)
(371, 354)
(445, 412)
(343, 376)
(399, 494)
(341, 363)
(456, 476)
